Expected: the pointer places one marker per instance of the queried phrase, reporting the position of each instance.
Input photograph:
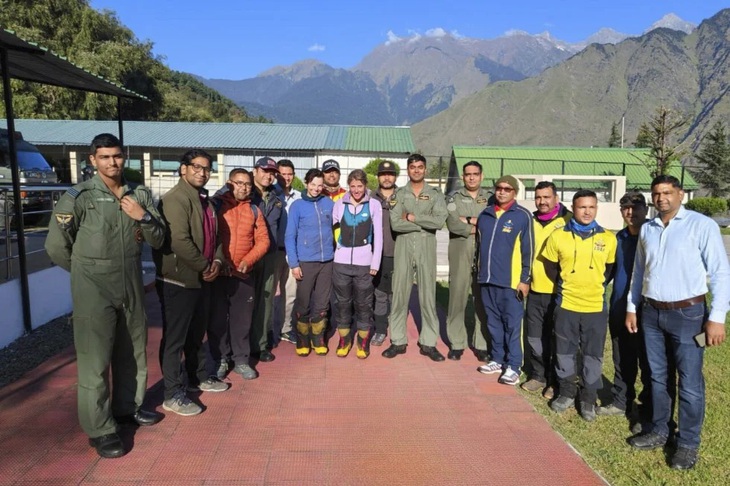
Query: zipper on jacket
(321, 235)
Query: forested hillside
(100, 43)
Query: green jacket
(89, 227)
(429, 208)
(180, 260)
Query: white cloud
(392, 38)
(414, 35)
(437, 32)
(316, 48)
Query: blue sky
(237, 39)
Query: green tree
(643, 138)
(371, 169)
(714, 173)
(663, 151)
(614, 140)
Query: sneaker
(212, 384)
(289, 337)
(378, 339)
(684, 458)
(490, 368)
(647, 441)
(588, 411)
(222, 370)
(561, 404)
(532, 385)
(509, 377)
(181, 405)
(246, 372)
(609, 410)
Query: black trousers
(231, 314)
(585, 333)
(313, 291)
(383, 295)
(540, 324)
(184, 323)
(353, 286)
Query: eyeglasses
(241, 184)
(198, 168)
(503, 189)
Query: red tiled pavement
(314, 420)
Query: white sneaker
(509, 377)
(490, 368)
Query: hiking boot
(213, 385)
(588, 411)
(343, 349)
(490, 368)
(561, 404)
(246, 372)
(532, 385)
(509, 377)
(222, 370)
(181, 405)
(317, 337)
(289, 337)
(378, 339)
(362, 343)
(684, 458)
(610, 410)
(302, 338)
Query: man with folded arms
(678, 250)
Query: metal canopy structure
(27, 61)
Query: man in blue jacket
(506, 244)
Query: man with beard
(387, 173)
(551, 215)
(266, 199)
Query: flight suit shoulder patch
(424, 197)
(481, 200)
(64, 220)
(393, 201)
(74, 192)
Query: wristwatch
(147, 218)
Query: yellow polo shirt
(540, 282)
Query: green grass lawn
(725, 231)
(603, 443)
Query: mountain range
(406, 80)
(576, 102)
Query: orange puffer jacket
(241, 239)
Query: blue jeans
(669, 334)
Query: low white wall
(50, 297)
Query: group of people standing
(259, 263)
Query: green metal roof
(224, 135)
(498, 161)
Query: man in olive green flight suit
(96, 233)
(464, 206)
(418, 211)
